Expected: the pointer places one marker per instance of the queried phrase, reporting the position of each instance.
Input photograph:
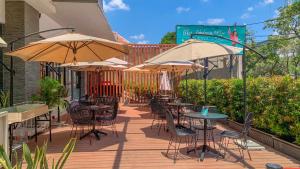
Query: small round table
(179, 106)
(93, 109)
(209, 116)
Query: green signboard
(235, 33)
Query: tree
(288, 21)
(282, 50)
(169, 38)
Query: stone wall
(21, 19)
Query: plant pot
(287, 148)
(235, 125)
(278, 144)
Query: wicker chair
(178, 135)
(81, 117)
(108, 118)
(158, 114)
(239, 139)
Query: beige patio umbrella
(136, 68)
(171, 66)
(70, 48)
(112, 63)
(193, 50)
(2, 43)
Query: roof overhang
(86, 16)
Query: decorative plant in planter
(4, 99)
(51, 92)
(39, 159)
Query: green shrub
(274, 101)
(51, 92)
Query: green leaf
(4, 159)
(27, 156)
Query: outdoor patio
(139, 146)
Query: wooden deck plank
(139, 146)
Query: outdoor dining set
(191, 122)
(101, 111)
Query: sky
(147, 21)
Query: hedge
(274, 101)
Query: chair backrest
(115, 109)
(170, 122)
(80, 113)
(70, 106)
(247, 123)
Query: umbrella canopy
(193, 50)
(174, 66)
(70, 47)
(114, 63)
(2, 43)
(110, 62)
(135, 69)
(93, 68)
(165, 82)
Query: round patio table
(93, 109)
(210, 116)
(179, 106)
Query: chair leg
(76, 130)
(249, 154)
(177, 150)
(114, 129)
(72, 130)
(170, 143)
(213, 139)
(160, 125)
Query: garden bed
(278, 144)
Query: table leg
(178, 114)
(11, 137)
(35, 129)
(50, 126)
(204, 141)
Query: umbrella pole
(205, 79)
(186, 86)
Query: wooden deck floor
(140, 147)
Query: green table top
(180, 104)
(209, 116)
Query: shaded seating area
(139, 146)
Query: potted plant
(52, 93)
(39, 159)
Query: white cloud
(250, 9)
(138, 37)
(276, 13)
(245, 15)
(266, 2)
(181, 9)
(200, 22)
(215, 21)
(143, 42)
(115, 5)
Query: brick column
(21, 19)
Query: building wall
(21, 19)
(2, 11)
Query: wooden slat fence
(128, 85)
